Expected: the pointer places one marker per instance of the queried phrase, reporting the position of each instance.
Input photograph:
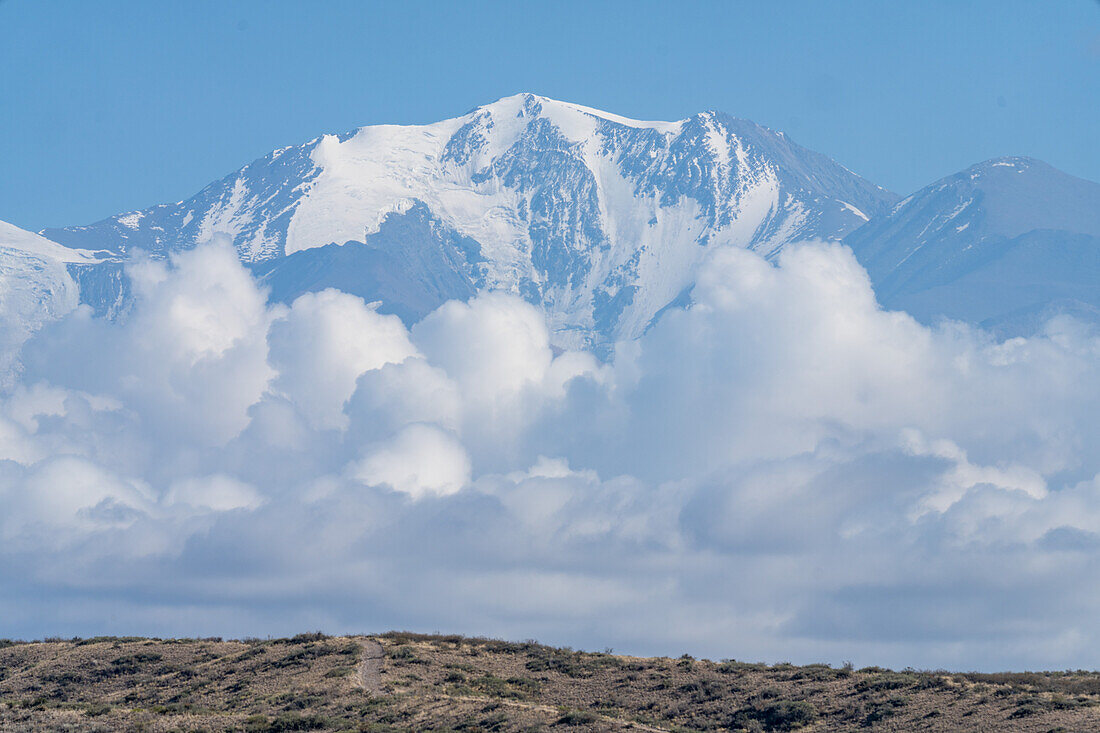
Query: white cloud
(204, 307)
(213, 493)
(497, 350)
(322, 346)
(190, 359)
(954, 484)
(57, 500)
(420, 460)
(781, 470)
(395, 395)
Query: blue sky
(113, 106)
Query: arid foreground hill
(401, 681)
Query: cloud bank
(782, 470)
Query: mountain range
(597, 219)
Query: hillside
(401, 681)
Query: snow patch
(855, 210)
(131, 220)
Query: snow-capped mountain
(1006, 244)
(35, 286)
(597, 218)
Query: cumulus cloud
(420, 460)
(189, 360)
(212, 493)
(780, 470)
(322, 346)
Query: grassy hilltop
(401, 681)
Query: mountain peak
(1017, 162)
(567, 114)
(1006, 164)
(530, 106)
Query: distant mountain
(1006, 244)
(596, 218)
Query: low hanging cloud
(781, 470)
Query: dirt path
(369, 674)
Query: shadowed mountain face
(1006, 244)
(598, 219)
(410, 266)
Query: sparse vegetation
(451, 683)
